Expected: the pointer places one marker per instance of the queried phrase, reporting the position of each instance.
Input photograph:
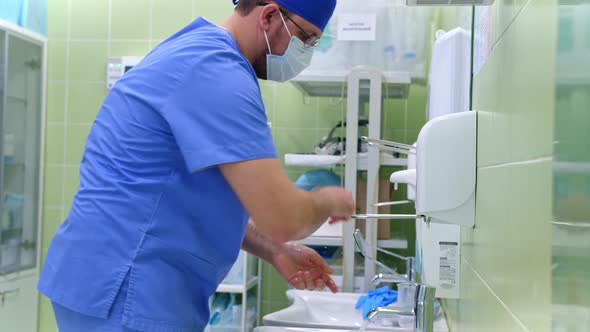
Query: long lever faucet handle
(388, 278)
(389, 146)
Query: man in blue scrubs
(179, 158)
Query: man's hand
(303, 268)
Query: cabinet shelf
(19, 100)
(238, 288)
(12, 232)
(14, 164)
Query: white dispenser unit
(441, 257)
(445, 197)
(446, 157)
(441, 167)
(449, 86)
(446, 169)
(449, 79)
(446, 164)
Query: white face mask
(297, 57)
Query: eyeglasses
(308, 40)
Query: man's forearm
(259, 244)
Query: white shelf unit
(238, 288)
(250, 279)
(363, 84)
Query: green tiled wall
(571, 172)
(506, 258)
(82, 33)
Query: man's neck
(238, 26)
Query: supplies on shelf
(237, 300)
(9, 148)
(10, 232)
(13, 210)
(9, 255)
(226, 313)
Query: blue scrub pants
(71, 321)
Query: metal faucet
(423, 301)
(423, 309)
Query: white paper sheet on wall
(484, 37)
(357, 27)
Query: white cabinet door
(18, 304)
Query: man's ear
(266, 15)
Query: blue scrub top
(152, 206)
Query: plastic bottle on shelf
(9, 147)
(14, 204)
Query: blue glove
(376, 298)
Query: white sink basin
(322, 310)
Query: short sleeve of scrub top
(214, 117)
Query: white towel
(313, 160)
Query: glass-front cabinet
(22, 75)
(21, 64)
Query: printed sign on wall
(357, 27)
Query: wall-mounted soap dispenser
(443, 187)
(449, 83)
(446, 167)
(450, 150)
(446, 175)
(441, 170)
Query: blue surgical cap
(316, 12)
